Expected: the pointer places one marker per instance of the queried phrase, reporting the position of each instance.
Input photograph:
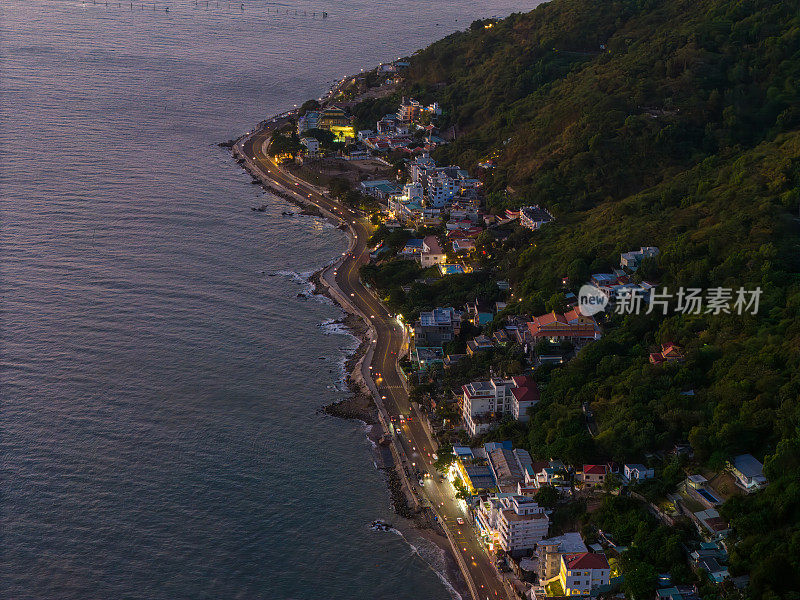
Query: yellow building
(582, 572)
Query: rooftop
(570, 542)
(594, 469)
(586, 560)
(432, 244)
(439, 317)
(747, 465)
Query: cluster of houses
(499, 484)
(432, 191)
(392, 132)
(395, 131)
(572, 326)
(500, 481)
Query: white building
(311, 143)
(432, 253)
(310, 120)
(413, 192)
(484, 402)
(633, 260)
(515, 523)
(534, 217)
(749, 472)
(637, 472)
(441, 189)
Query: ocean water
(162, 368)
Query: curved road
(481, 576)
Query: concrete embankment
(406, 502)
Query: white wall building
(311, 143)
(515, 523)
(432, 253)
(441, 189)
(483, 402)
(413, 192)
(533, 217)
(637, 472)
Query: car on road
(460, 521)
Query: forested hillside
(661, 123)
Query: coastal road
(387, 342)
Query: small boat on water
(262, 208)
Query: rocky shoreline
(360, 405)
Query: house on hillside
(571, 326)
(748, 472)
(432, 253)
(583, 572)
(668, 353)
(633, 260)
(479, 344)
(533, 217)
(594, 475)
(636, 472)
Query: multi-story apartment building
(419, 168)
(441, 189)
(409, 110)
(437, 326)
(549, 552)
(484, 402)
(514, 523)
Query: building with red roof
(525, 396)
(669, 353)
(572, 326)
(483, 403)
(583, 572)
(594, 474)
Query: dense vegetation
(647, 122)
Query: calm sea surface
(159, 433)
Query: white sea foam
(434, 556)
(334, 327)
(367, 432)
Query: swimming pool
(709, 496)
